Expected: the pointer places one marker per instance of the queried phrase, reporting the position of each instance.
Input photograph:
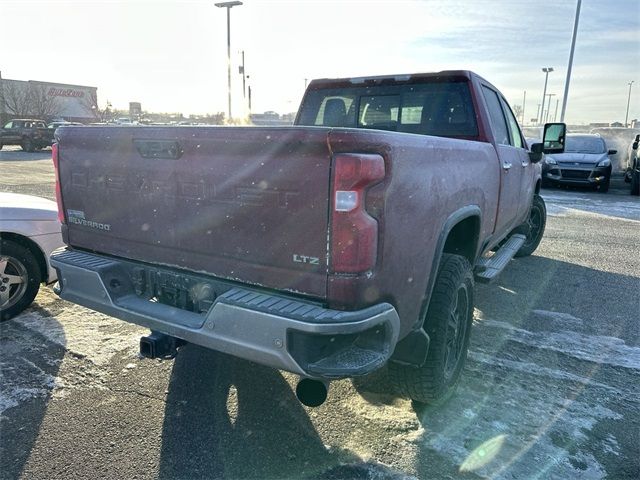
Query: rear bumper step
(488, 268)
(274, 330)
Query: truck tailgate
(245, 204)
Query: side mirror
(535, 155)
(635, 145)
(612, 152)
(553, 137)
(637, 138)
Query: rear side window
(440, 108)
(498, 122)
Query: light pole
(546, 118)
(546, 71)
(242, 72)
(626, 117)
(555, 114)
(573, 47)
(229, 6)
(524, 102)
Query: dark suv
(585, 162)
(29, 133)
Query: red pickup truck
(327, 249)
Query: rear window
(438, 108)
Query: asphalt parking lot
(550, 389)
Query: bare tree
(42, 105)
(15, 99)
(90, 105)
(517, 111)
(29, 100)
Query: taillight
(56, 166)
(354, 233)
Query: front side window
(379, 112)
(336, 111)
(514, 129)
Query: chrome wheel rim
(13, 281)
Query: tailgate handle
(169, 149)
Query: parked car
(585, 162)
(30, 134)
(326, 249)
(29, 232)
(632, 168)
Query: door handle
(506, 165)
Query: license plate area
(183, 291)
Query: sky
(171, 55)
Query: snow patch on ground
(534, 369)
(593, 348)
(582, 204)
(91, 339)
(84, 333)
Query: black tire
(17, 261)
(448, 324)
(27, 145)
(604, 188)
(537, 222)
(635, 182)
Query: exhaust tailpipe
(159, 345)
(311, 393)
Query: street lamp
(570, 66)
(229, 6)
(626, 117)
(546, 71)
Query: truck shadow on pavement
(29, 363)
(229, 418)
(548, 378)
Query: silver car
(29, 232)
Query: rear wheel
(19, 279)
(536, 224)
(448, 324)
(27, 145)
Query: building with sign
(47, 101)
